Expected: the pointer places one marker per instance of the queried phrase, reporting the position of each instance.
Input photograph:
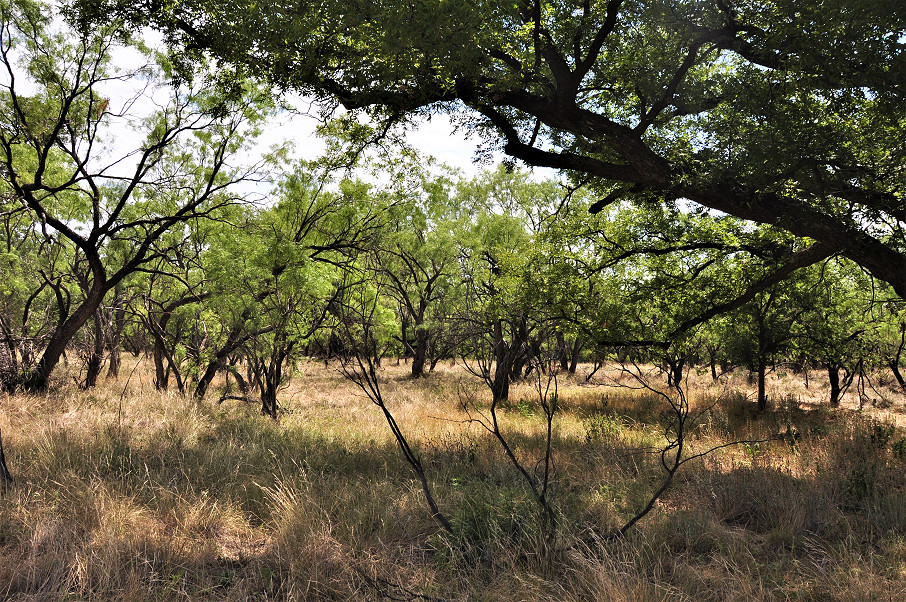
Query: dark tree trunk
(500, 385)
(236, 337)
(268, 374)
(895, 361)
(833, 375)
(5, 477)
(217, 363)
(96, 356)
(119, 324)
(272, 380)
(39, 377)
(500, 388)
(240, 381)
(895, 368)
(9, 368)
(712, 361)
(404, 336)
(762, 395)
(762, 362)
(161, 374)
(562, 354)
(161, 354)
(269, 401)
(675, 370)
(574, 359)
(113, 362)
(420, 351)
(520, 352)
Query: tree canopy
(781, 112)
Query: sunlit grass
(124, 492)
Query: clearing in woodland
(124, 492)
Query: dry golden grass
(127, 493)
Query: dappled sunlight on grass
(128, 493)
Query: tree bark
(762, 395)
(576, 351)
(39, 377)
(833, 375)
(675, 371)
(420, 352)
(895, 368)
(500, 385)
(6, 478)
(562, 354)
(119, 324)
(235, 339)
(96, 356)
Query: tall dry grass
(127, 493)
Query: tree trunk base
(6, 478)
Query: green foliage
(773, 112)
(603, 427)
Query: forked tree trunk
(675, 371)
(39, 377)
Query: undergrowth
(126, 493)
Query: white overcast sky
(435, 137)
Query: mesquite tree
(54, 120)
(784, 112)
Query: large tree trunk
(235, 339)
(833, 375)
(39, 377)
(576, 351)
(895, 368)
(762, 395)
(500, 384)
(116, 336)
(218, 362)
(420, 352)
(675, 370)
(96, 356)
(562, 353)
